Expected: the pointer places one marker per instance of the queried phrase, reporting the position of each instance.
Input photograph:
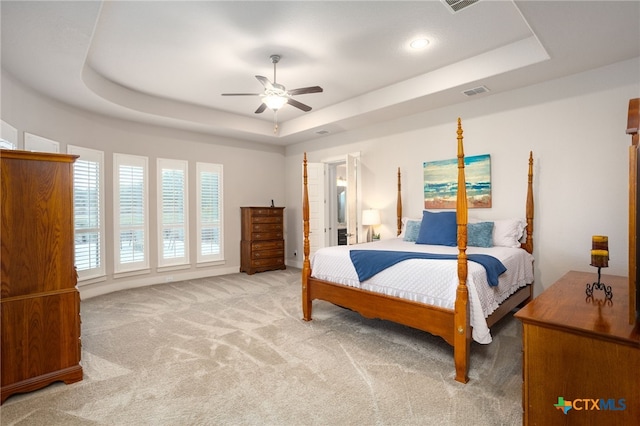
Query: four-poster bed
(453, 323)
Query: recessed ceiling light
(419, 43)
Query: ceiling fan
(275, 95)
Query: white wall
(575, 127)
(253, 173)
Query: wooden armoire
(40, 303)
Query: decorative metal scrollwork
(608, 293)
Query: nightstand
(582, 352)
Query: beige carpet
(233, 350)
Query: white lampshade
(371, 217)
(274, 102)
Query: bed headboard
(528, 244)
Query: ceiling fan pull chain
(275, 122)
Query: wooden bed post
(633, 125)
(528, 245)
(306, 265)
(462, 326)
(399, 204)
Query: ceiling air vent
(476, 91)
(457, 5)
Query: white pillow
(508, 232)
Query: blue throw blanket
(370, 262)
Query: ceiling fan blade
(298, 105)
(241, 94)
(261, 108)
(265, 81)
(303, 90)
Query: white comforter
(433, 282)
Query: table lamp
(370, 217)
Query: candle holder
(599, 259)
(608, 293)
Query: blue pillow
(438, 229)
(480, 234)
(411, 230)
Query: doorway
(334, 202)
(337, 204)
(342, 201)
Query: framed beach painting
(441, 182)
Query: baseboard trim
(97, 289)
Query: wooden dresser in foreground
(581, 352)
(262, 244)
(40, 304)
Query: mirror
(342, 207)
(341, 198)
(341, 204)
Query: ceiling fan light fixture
(275, 95)
(274, 102)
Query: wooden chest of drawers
(262, 243)
(580, 353)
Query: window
(39, 144)
(173, 236)
(88, 212)
(8, 136)
(209, 215)
(5, 144)
(130, 213)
